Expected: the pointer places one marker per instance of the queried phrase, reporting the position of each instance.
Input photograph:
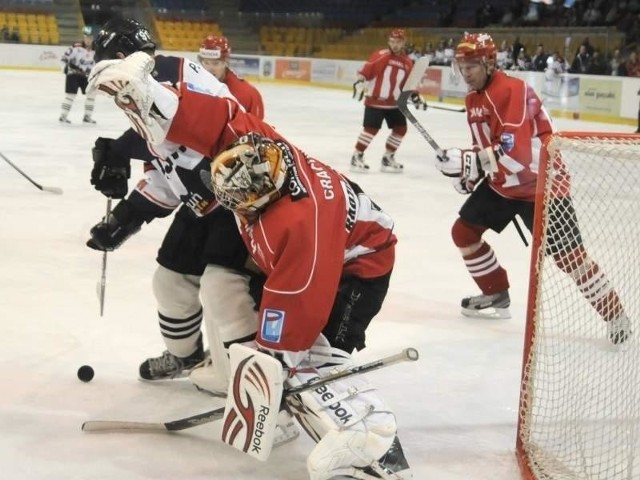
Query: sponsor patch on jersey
(272, 324)
(507, 140)
(198, 89)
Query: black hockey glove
(417, 101)
(123, 222)
(358, 90)
(110, 171)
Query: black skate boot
(487, 306)
(168, 366)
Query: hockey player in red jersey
(380, 82)
(327, 250)
(214, 55)
(508, 126)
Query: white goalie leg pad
(177, 298)
(229, 315)
(348, 419)
(253, 402)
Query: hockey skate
(88, 120)
(487, 306)
(168, 366)
(206, 379)
(63, 119)
(619, 329)
(389, 164)
(393, 465)
(357, 163)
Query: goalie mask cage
(579, 415)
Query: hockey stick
(102, 285)
(410, 87)
(448, 109)
(406, 355)
(56, 190)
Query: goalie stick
(56, 190)
(406, 355)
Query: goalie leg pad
(253, 401)
(350, 422)
(229, 316)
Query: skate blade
(488, 313)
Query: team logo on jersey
(296, 187)
(507, 140)
(272, 324)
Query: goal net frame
(534, 463)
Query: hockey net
(580, 397)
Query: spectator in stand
(539, 60)
(587, 45)
(449, 51)
(581, 62)
(4, 34)
(632, 65)
(438, 55)
(15, 35)
(615, 62)
(504, 57)
(592, 15)
(598, 65)
(515, 50)
(523, 62)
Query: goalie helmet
(476, 46)
(122, 35)
(215, 48)
(250, 174)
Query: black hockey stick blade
(406, 355)
(44, 188)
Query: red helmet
(476, 46)
(398, 33)
(215, 47)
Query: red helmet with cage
(398, 33)
(476, 46)
(215, 48)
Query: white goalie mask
(250, 174)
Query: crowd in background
(585, 60)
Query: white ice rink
(456, 408)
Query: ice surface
(456, 407)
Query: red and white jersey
(509, 113)
(247, 95)
(325, 227)
(386, 74)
